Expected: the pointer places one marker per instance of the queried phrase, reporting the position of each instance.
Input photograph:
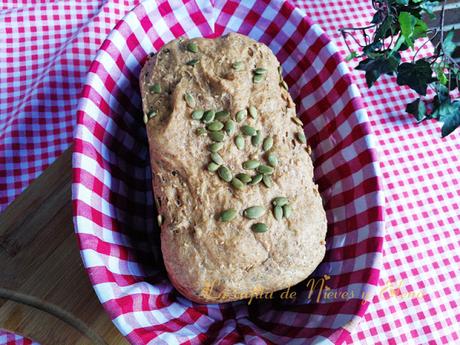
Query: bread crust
(207, 260)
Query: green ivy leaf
(448, 45)
(452, 121)
(428, 7)
(402, 2)
(411, 28)
(375, 67)
(351, 56)
(418, 109)
(385, 29)
(415, 75)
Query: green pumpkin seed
(278, 212)
(284, 85)
(216, 158)
(256, 179)
(254, 212)
(280, 70)
(301, 137)
(192, 62)
(248, 130)
(239, 142)
(265, 169)
(258, 78)
(238, 65)
(189, 100)
(245, 178)
(260, 70)
(214, 126)
(267, 180)
(155, 88)
(230, 127)
(280, 201)
(272, 160)
(208, 116)
(251, 164)
(241, 115)
(253, 112)
(212, 167)
(197, 114)
(151, 114)
(256, 139)
(287, 211)
(214, 147)
(297, 121)
(225, 173)
(192, 47)
(200, 131)
(259, 227)
(222, 115)
(216, 136)
(268, 143)
(237, 184)
(228, 215)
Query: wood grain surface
(40, 265)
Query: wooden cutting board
(46, 293)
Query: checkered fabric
(8, 338)
(58, 40)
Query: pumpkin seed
(297, 121)
(192, 47)
(160, 219)
(256, 139)
(259, 227)
(280, 201)
(214, 147)
(228, 215)
(214, 126)
(208, 116)
(248, 130)
(251, 164)
(280, 70)
(222, 115)
(267, 180)
(212, 167)
(200, 131)
(239, 142)
(155, 88)
(151, 114)
(287, 211)
(245, 178)
(146, 119)
(216, 136)
(254, 212)
(197, 114)
(284, 85)
(230, 127)
(260, 70)
(257, 78)
(272, 160)
(301, 137)
(265, 169)
(225, 173)
(256, 179)
(268, 143)
(192, 62)
(238, 65)
(237, 184)
(241, 115)
(189, 100)
(216, 158)
(253, 112)
(278, 212)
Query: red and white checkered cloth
(46, 48)
(8, 338)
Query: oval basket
(112, 196)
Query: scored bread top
(209, 259)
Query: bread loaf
(232, 174)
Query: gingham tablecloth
(45, 50)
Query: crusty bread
(208, 259)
